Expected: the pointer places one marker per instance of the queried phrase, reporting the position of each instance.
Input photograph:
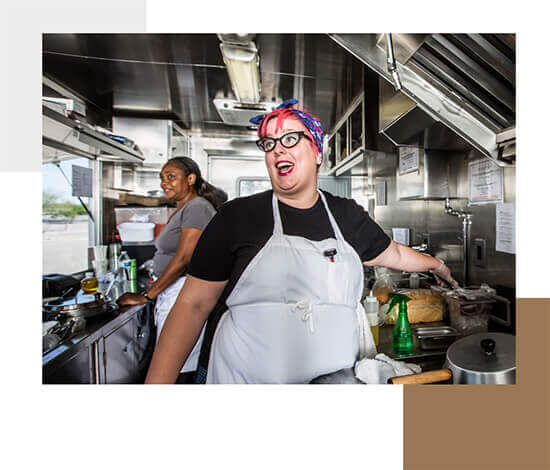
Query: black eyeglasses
(289, 140)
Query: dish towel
(381, 368)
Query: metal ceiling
(176, 76)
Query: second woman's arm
(178, 264)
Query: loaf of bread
(425, 305)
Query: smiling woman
(197, 202)
(279, 274)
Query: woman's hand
(131, 298)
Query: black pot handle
(488, 346)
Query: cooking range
(65, 317)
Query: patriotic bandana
(312, 124)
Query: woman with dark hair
(197, 202)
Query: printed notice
(82, 181)
(408, 159)
(486, 182)
(506, 228)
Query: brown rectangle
(487, 426)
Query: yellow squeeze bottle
(371, 309)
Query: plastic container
(124, 259)
(136, 231)
(155, 215)
(89, 284)
(469, 317)
(383, 285)
(371, 309)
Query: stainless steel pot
(482, 358)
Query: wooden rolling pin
(432, 376)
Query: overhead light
(243, 66)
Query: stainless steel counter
(115, 348)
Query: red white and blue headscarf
(311, 123)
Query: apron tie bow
(306, 307)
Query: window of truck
(67, 229)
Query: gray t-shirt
(195, 214)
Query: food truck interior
(420, 131)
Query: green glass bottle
(402, 339)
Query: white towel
(381, 368)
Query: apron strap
(335, 227)
(277, 224)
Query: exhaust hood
(464, 81)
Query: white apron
(164, 303)
(294, 314)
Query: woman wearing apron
(197, 202)
(279, 274)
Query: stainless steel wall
(445, 232)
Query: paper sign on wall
(408, 159)
(506, 228)
(486, 182)
(82, 181)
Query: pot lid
(484, 352)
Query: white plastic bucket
(136, 231)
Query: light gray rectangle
(82, 181)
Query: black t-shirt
(243, 226)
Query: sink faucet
(466, 218)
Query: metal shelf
(345, 165)
(340, 139)
(113, 150)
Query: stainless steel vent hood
(464, 81)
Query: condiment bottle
(124, 262)
(371, 309)
(402, 340)
(89, 284)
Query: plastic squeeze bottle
(402, 340)
(371, 309)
